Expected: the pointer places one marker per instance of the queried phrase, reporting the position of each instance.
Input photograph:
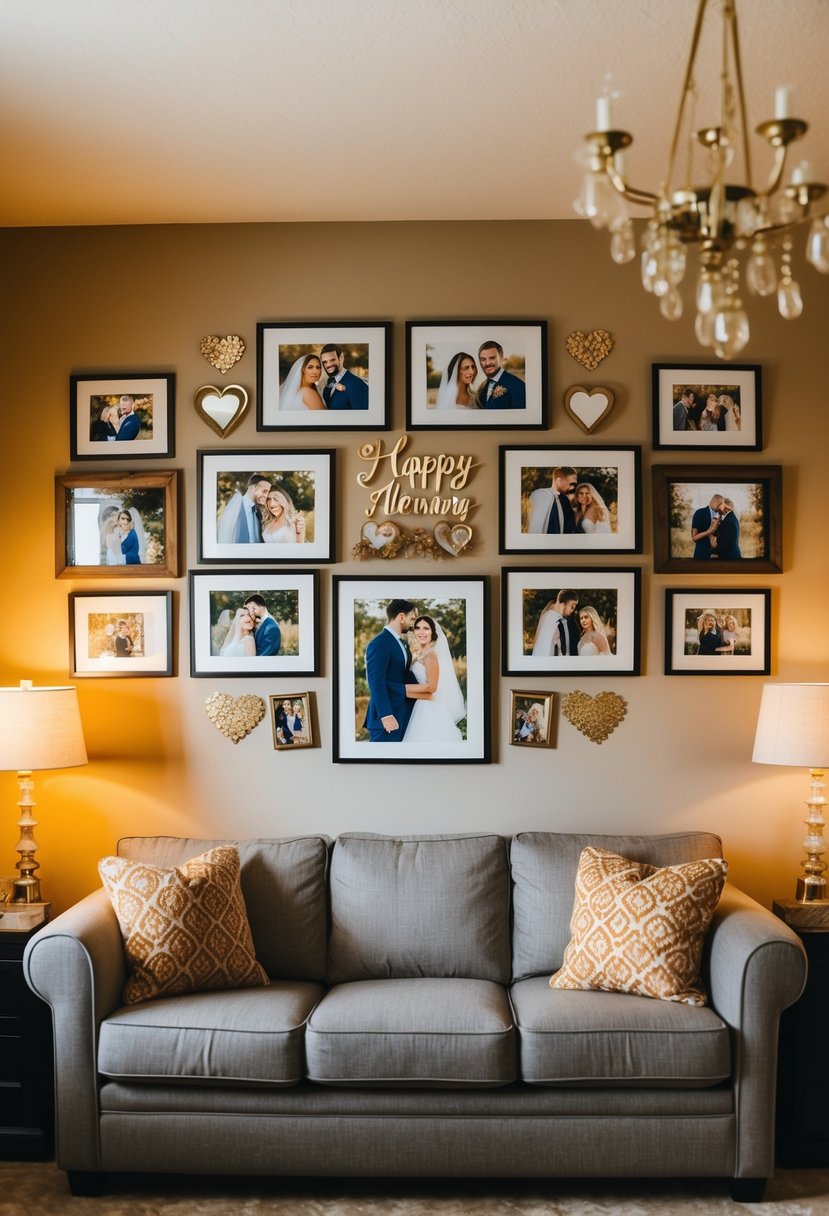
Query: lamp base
(811, 888)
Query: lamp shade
(793, 725)
(40, 728)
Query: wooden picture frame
(291, 721)
(92, 540)
(531, 718)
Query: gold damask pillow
(639, 929)
(185, 929)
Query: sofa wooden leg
(748, 1190)
(86, 1183)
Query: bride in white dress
(439, 703)
(299, 390)
(455, 388)
(593, 638)
(281, 522)
(239, 642)
(113, 535)
(592, 516)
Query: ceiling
(196, 111)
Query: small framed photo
(570, 499)
(249, 623)
(703, 408)
(411, 678)
(723, 519)
(266, 506)
(531, 718)
(116, 525)
(717, 633)
(574, 622)
(323, 375)
(490, 375)
(121, 633)
(291, 720)
(117, 416)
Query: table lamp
(793, 728)
(39, 728)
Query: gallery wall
(140, 299)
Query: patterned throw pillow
(639, 929)
(185, 929)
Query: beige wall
(141, 298)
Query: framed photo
(717, 633)
(116, 525)
(570, 621)
(531, 718)
(291, 720)
(249, 623)
(121, 633)
(723, 519)
(397, 633)
(121, 416)
(266, 506)
(323, 375)
(490, 375)
(704, 408)
(570, 500)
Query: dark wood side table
(803, 1065)
(26, 1085)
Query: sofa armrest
(76, 964)
(757, 967)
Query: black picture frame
(742, 619)
(129, 634)
(92, 395)
(733, 422)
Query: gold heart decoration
(589, 349)
(452, 537)
(221, 408)
(222, 353)
(588, 407)
(234, 717)
(596, 717)
(381, 536)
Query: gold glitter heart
(589, 349)
(596, 717)
(222, 353)
(234, 717)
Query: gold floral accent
(596, 717)
(388, 539)
(234, 717)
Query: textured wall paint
(141, 298)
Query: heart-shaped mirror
(221, 408)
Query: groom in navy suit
(501, 390)
(387, 670)
(344, 390)
(268, 635)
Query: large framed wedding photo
(323, 375)
(121, 416)
(716, 632)
(718, 519)
(570, 499)
(570, 621)
(121, 633)
(116, 525)
(249, 623)
(266, 506)
(488, 375)
(411, 678)
(702, 408)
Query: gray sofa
(410, 1030)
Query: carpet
(40, 1189)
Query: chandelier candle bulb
(782, 101)
(602, 113)
(803, 173)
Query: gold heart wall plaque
(221, 408)
(452, 537)
(596, 717)
(234, 717)
(222, 353)
(588, 407)
(589, 349)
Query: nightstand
(26, 1093)
(803, 1066)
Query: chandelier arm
(631, 193)
(686, 88)
(731, 15)
(776, 175)
(776, 229)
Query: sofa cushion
(410, 1033)
(185, 928)
(419, 906)
(544, 866)
(640, 929)
(283, 882)
(250, 1037)
(610, 1039)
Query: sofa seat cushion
(249, 1036)
(438, 1033)
(611, 1038)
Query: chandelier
(721, 217)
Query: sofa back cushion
(409, 906)
(283, 884)
(544, 867)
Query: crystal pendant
(817, 244)
(671, 305)
(648, 270)
(731, 330)
(622, 244)
(761, 272)
(708, 287)
(789, 300)
(704, 328)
